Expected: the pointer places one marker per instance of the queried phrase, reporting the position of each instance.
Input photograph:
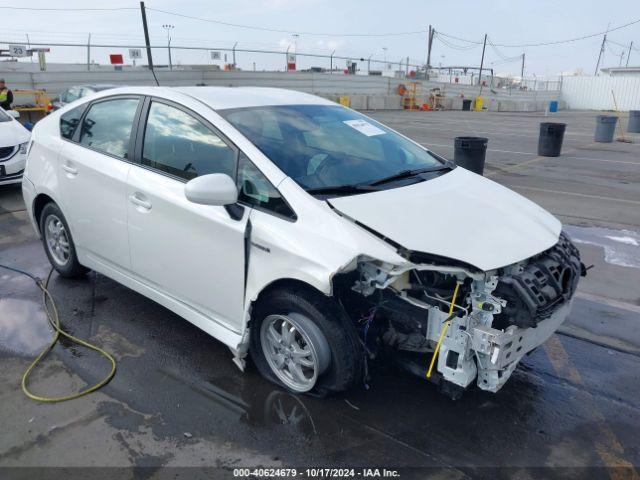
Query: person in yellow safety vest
(6, 96)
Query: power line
(623, 45)
(453, 46)
(279, 30)
(497, 52)
(44, 9)
(541, 44)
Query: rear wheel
(57, 241)
(300, 340)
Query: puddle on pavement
(24, 329)
(621, 247)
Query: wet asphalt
(178, 401)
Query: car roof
(98, 87)
(222, 98)
(95, 86)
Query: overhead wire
(63, 9)
(283, 30)
(452, 45)
(541, 44)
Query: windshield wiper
(409, 173)
(341, 189)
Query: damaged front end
(480, 332)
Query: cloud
(288, 4)
(330, 45)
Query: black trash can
(550, 139)
(469, 153)
(634, 121)
(466, 105)
(605, 128)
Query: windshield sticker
(365, 127)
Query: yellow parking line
(607, 445)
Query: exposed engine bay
(452, 323)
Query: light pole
(385, 57)
(168, 28)
(295, 48)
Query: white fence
(594, 93)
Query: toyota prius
(300, 233)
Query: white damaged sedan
(300, 232)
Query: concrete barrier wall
(366, 92)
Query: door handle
(70, 170)
(140, 202)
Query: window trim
(130, 150)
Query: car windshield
(4, 117)
(327, 147)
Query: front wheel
(299, 340)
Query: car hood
(459, 215)
(13, 133)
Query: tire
(323, 325)
(58, 243)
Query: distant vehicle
(301, 232)
(14, 139)
(74, 93)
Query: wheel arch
(38, 204)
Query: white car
(301, 232)
(14, 139)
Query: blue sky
(506, 22)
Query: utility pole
(234, 55)
(286, 59)
(331, 60)
(522, 69)
(407, 68)
(629, 54)
(146, 35)
(484, 45)
(429, 45)
(168, 28)
(604, 41)
(89, 53)
(29, 47)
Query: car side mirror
(213, 189)
(13, 114)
